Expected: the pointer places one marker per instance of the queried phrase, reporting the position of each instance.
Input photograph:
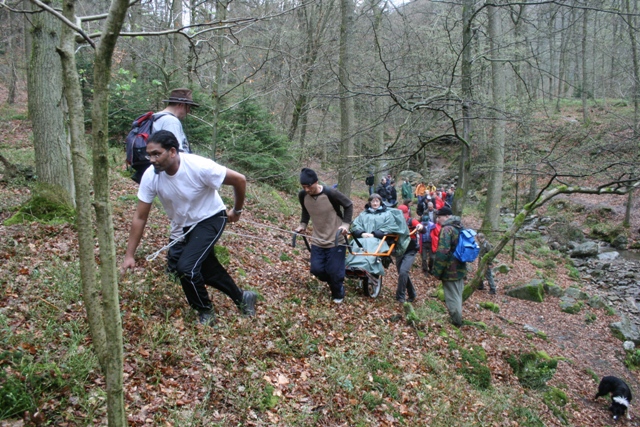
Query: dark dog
(620, 395)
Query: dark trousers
(194, 262)
(328, 265)
(427, 259)
(403, 264)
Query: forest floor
(302, 360)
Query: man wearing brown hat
(179, 105)
(330, 211)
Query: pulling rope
(171, 243)
(315, 239)
(154, 255)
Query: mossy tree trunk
(102, 205)
(491, 220)
(464, 166)
(46, 108)
(82, 178)
(102, 302)
(522, 215)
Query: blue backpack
(467, 249)
(428, 225)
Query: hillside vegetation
(302, 361)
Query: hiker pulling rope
(171, 243)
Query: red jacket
(439, 203)
(435, 233)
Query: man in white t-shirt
(187, 186)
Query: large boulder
(532, 291)
(608, 256)
(584, 250)
(570, 305)
(620, 242)
(597, 302)
(576, 293)
(552, 289)
(625, 330)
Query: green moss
(533, 369)
(633, 360)
(284, 257)
(479, 325)
(526, 417)
(472, 366)
(589, 318)
(555, 399)
(488, 305)
(269, 400)
(519, 219)
(411, 315)
(47, 205)
(434, 306)
(467, 291)
(593, 375)
(573, 308)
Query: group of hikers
(187, 186)
(387, 191)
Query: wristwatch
(237, 211)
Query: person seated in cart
(369, 228)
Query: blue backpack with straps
(467, 249)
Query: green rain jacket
(380, 222)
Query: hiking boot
(338, 300)
(248, 304)
(492, 292)
(207, 318)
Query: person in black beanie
(330, 211)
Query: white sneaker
(338, 300)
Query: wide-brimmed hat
(181, 96)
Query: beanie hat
(308, 176)
(444, 211)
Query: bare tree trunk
(315, 17)
(346, 100)
(491, 218)
(464, 166)
(562, 64)
(13, 75)
(636, 67)
(221, 15)
(627, 212)
(585, 74)
(52, 152)
(631, 25)
(177, 43)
